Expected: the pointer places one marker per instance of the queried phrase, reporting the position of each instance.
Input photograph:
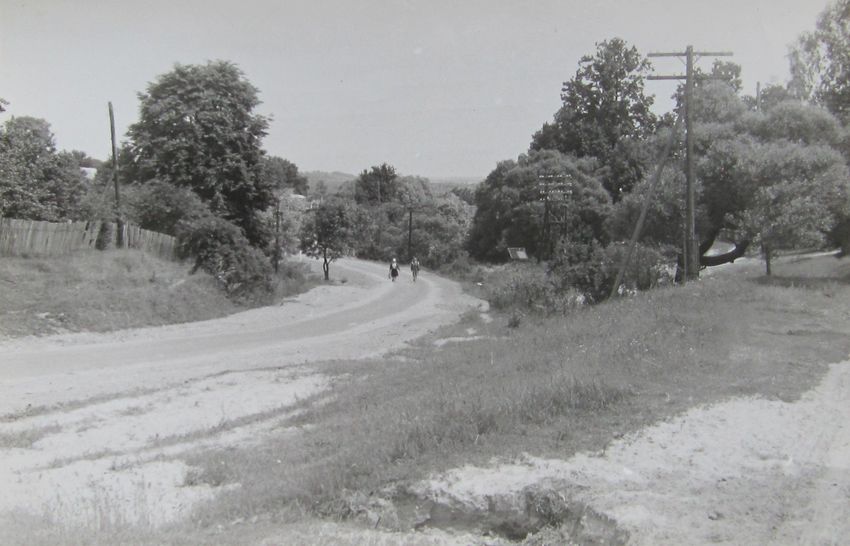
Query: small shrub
(463, 268)
(583, 266)
(592, 270)
(222, 250)
(649, 267)
(515, 320)
(292, 278)
(519, 286)
(528, 287)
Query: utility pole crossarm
(690, 252)
(679, 54)
(698, 53)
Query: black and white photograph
(424, 272)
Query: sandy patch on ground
(99, 463)
(747, 471)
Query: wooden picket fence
(158, 244)
(35, 238)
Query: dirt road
(94, 426)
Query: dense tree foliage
(820, 61)
(510, 207)
(774, 177)
(36, 181)
(606, 115)
(377, 185)
(407, 219)
(328, 232)
(197, 129)
(160, 206)
(220, 248)
(280, 174)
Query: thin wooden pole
(410, 234)
(119, 222)
(277, 235)
(692, 267)
(690, 254)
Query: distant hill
(443, 185)
(332, 181)
(457, 180)
(440, 185)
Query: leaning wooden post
(662, 161)
(119, 222)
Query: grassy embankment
(551, 387)
(102, 291)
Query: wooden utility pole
(549, 186)
(410, 234)
(691, 250)
(277, 235)
(119, 221)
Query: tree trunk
(765, 248)
(326, 265)
(709, 261)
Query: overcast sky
(434, 87)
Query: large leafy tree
(281, 174)
(605, 114)
(774, 178)
(510, 208)
(376, 185)
(820, 61)
(36, 181)
(197, 129)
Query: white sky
(434, 87)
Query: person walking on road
(393, 270)
(414, 267)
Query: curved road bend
(365, 316)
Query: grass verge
(111, 290)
